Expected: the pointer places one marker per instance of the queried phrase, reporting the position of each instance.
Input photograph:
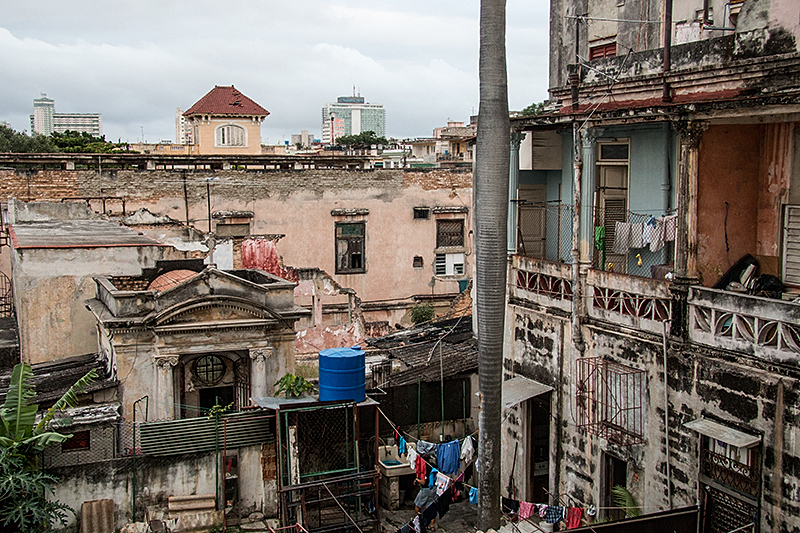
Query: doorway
(538, 409)
(616, 474)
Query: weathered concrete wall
(50, 286)
(739, 390)
(158, 478)
(747, 170)
(727, 198)
(297, 204)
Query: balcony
(763, 327)
(639, 303)
(732, 473)
(542, 282)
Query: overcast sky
(136, 62)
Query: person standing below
(425, 497)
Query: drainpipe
(577, 292)
(666, 96)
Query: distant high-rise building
(351, 115)
(45, 120)
(183, 130)
(303, 139)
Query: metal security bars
(610, 399)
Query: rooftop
(226, 100)
(76, 234)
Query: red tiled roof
(226, 100)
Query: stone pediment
(210, 310)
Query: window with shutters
(791, 245)
(449, 265)
(350, 248)
(603, 50)
(449, 233)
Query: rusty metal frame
(610, 398)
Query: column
(689, 135)
(513, 191)
(259, 387)
(589, 138)
(165, 387)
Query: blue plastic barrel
(341, 374)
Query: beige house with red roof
(226, 122)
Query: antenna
(354, 89)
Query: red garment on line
(574, 515)
(421, 468)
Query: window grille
(449, 233)
(422, 213)
(609, 400)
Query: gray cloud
(136, 62)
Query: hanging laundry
(442, 483)
(432, 477)
(468, 472)
(526, 510)
(467, 450)
(424, 447)
(600, 237)
(473, 496)
(429, 514)
(444, 501)
(447, 457)
(648, 230)
(554, 514)
(412, 456)
(542, 510)
(509, 506)
(574, 515)
(636, 235)
(658, 236)
(401, 446)
(670, 227)
(622, 237)
(421, 467)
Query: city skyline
(419, 60)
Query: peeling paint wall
(738, 390)
(296, 204)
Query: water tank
(341, 374)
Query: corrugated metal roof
(431, 362)
(726, 434)
(198, 435)
(518, 389)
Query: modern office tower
(45, 120)
(351, 115)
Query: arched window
(230, 135)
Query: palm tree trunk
(491, 211)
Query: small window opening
(80, 440)
(418, 262)
(422, 213)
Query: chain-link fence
(633, 243)
(320, 441)
(544, 230)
